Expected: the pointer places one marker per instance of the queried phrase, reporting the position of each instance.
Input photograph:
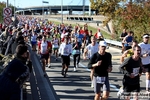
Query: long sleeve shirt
(65, 49)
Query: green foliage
(133, 15)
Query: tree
(131, 14)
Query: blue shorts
(33, 43)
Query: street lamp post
(83, 7)
(90, 8)
(14, 8)
(7, 3)
(61, 11)
(43, 6)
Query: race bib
(136, 71)
(66, 51)
(130, 44)
(100, 80)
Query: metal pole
(89, 8)
(50, 10)
(43, 9)
(83, 7)
(14, 8)
(7, 3)
(61, 11)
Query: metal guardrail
(114, 43)
(41, 88)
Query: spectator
(13, 77)
(123, 34)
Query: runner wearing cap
(101, 62)
(145, 55)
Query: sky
(29, 3)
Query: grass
(106, 35)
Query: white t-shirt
(92, 49)
(55, 45)
(44, 47)
(145, 49)
(99, 34)
(65, 49)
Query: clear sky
(28, 3)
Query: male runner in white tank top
(145, 55)
(90, 50)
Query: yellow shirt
(130, 53)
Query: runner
(34, 40)
(129, 52)
(128, 40)
(89, 37)
(99, 36)
(49, 39)
(146, 58)
(55, 45)
(131, 80)
(65, 51)
(123, 34)
(101, 63)
(43, 50)
(76, 53)
(90, 50)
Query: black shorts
(65, 60)
(128, 87)
(45, 56)
(147, 67)
(131, 88)
(50, 51)
(127, 47)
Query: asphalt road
(76, 86)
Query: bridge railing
(114, 43)
(41, 88)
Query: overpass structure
(52, 9)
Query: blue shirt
(128, 40)
(80, 37)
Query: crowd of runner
(47, 39)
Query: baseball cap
(103, 43)
(145, 35)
